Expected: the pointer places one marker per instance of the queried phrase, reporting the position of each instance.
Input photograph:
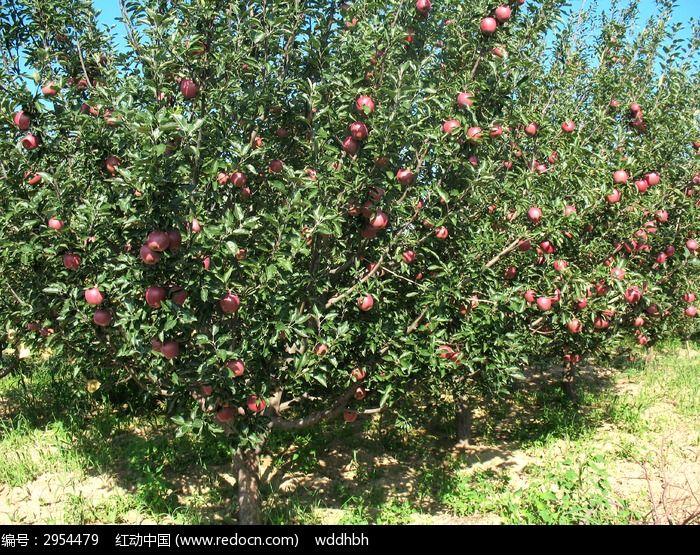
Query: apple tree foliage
(345, 231)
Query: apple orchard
(265, 214)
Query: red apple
(206, 262)
(158, 241)
(154, 296)
(531, 129)
(365, 303)
(174, 240)
(503, 13)
(111, 163)
(474, 133)
(30, 142)
(581, 303)
(238, 179)
(188, 88)
(661, 258)
(488, 25)
(170, 349)
(93, 296)
(349, 416)
(535, 214)
(661, 216)
(441, 233)
(633, 294)
(560, 265)
(225, 415)
(617, 273)
(178, 295)
(102, 317)
(601, 323)
(496, 131)
(230, 303)
(358, 131)
(358, 373)
(195, 227)
(450, 125)
(365, 104)
(379, 220)
(148, 255)
(691, 311)
(568, 126)
(255, 405)
(350, 145)
(524, 245)
(156, 345)
(55, 223)
(49, 89)
(653, 178)
(635, 108)
(614, 197)
(544, 303)
(547, 247)
(368, 232)
(620, 177)
(575, 326)
(71, 261)
(689, 297)
(639, 322)
(691, 245)
(222, 178)
(510, 273)
(465, 99)
(276, 166)
(530, 296)
(569, 210)
(642, 185)
(409, 256)
(405, 176)
(237, 367)
(22, 121)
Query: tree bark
(463, 420)
(247, 465)
(567, 383)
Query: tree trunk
(247, 466)
(567, 383)
(463, 419)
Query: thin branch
(316, 417)
(82, 62)
(501, 254)
(338, 298)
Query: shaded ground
(630, 452)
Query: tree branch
(316, 417)
(501, 254)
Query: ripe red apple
(575, 326)
(617, 273)
(502, 13)
(498, 52)
(365, 303)
(237, 367)
(255, 405)
(358, 131)
(560, 265)
(358, 373)
(276, 166)
(368, 232)
(349, 416)
(423, 7)
(601, 323)
(170, 349)
(49, 89)
(642, 185)
(34, 179)
(639, 322)
(405, 176)
(206, 390)
(642, 340)
(510, 273)
(222, 178)
(530, 296)
(238, 179)
(465, 99)
(350, 145)
(365, 104)
(93, 296)
(230, 303)
(614, 103)
(22, 121)
(474, 133)
(30, 142)
(635, 108)
(661, 216)
(661, 258)
(360, 393)
(488, 25)
(282, 132)
(689, 297)
(148, 255)
(547, 247)
(450, 125)
(154, 296)
(178, 295)
(409, 256)
(496, 131)
(111, 163)
(195, 226)
(225, 415)
(156, 345)
(569, 210)
(531, 129)
(544, 303)
(379, 220)
(692, 245)
(102, 317)
(653, 178)
(71, 260)
(633, 294)
(535, 214)
(188, 88)
(568, 126)
(158, 241)
(441, 233)
(524, 245)
(620, 177)
(581, 303)
(614, 197)
(174, 240)
(55, 223)
(691, 311)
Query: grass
(538, 459)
